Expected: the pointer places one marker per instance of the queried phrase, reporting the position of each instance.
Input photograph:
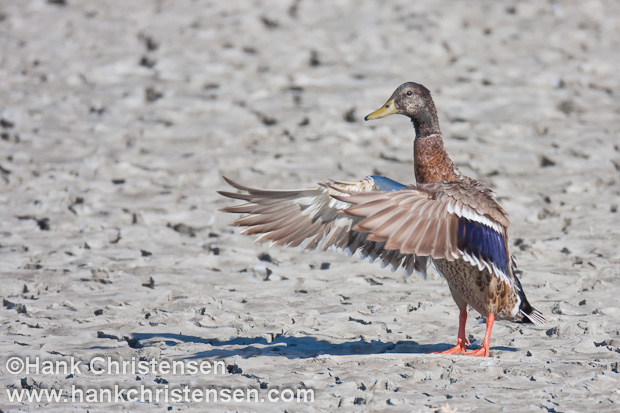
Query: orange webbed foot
(481, 352)
(460, 348)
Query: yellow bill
(388, 109)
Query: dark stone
(5, 123)
(349, 115)
(314, 58)
(359, 401)
(234, 369)
(546, 162)
(151, 94)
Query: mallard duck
(446, 218)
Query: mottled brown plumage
(446, 218)
(431, 161)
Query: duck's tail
(532, 316)
(528, 313)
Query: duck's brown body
(446, 218)
(469, 285)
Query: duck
(444, 219)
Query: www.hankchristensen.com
(163, 394)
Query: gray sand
(119, 118)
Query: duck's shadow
(290, 347)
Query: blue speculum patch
(387, 184)
(477, 239)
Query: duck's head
(414, 101)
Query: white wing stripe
(463, 211)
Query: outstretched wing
(313, 218)
(444, 220)
(401, 225)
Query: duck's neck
(431, 161)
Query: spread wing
(444, 220)
(401, 225)
(314, 219)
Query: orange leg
(484, 351)
(462, 340)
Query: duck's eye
(409, 93)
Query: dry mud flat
(118, 118)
